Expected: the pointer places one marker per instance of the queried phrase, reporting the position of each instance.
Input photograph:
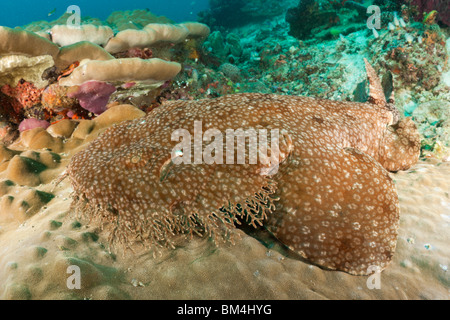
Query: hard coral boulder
(118, 71)
(155, 33)
(80, 51)
(26, 43)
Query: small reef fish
(52, 12)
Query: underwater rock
(236, 13)
(441, 6)
(234, 45)
(307, 16)
(216, 44)
(229, 48)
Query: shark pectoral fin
(339, 210)
(400, 146)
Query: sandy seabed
(36, 253)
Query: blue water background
(19, 13)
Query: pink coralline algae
(441, 6)
(93, 95)
(29, 124)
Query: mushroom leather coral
(331, 200)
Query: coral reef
(413, 62)
(47, 70)
(21, 42)
(117, 21)
(418, 9)
(36, 158)
(42, 129)
(74, 54)
(133, 19)
(143, 53)
(415, 53)
(152, 34)
(152, 71)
